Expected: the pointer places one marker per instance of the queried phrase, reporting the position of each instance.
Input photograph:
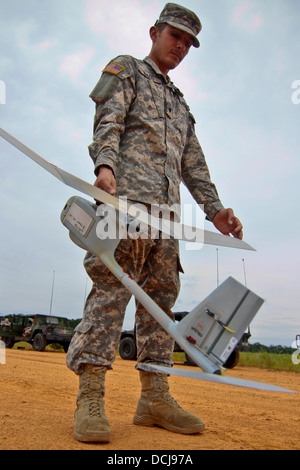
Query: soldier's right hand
(106, 180)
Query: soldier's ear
(154, 33)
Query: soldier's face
(169, 47)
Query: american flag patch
(113, 67)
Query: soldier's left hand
(227, 223)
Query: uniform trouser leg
(156, 406)
(96, 338)
(160, 280)
(154, 265)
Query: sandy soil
(38, 399)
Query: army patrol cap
(181, 18)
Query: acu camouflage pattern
(155, 266)
(144, 131)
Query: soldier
(144, 145)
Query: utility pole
(217, 267)
(84, 299)
(52, 293)
(244, 272)
(246, 286)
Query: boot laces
(92, 394)
(95, 406)
(164, 388)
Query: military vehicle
(38, 330)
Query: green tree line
(257, 347)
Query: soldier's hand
(227, 223)
(106, 180)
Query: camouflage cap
(181, 18)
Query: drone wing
(173, 229)
(213, 378)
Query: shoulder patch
(114, 68)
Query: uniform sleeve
(113, 96)
(196, 176)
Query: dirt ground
(38, 393)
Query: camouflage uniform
(144, 131)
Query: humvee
(38, 330)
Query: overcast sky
(239, 86)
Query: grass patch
(178, 356)
(22, 345)
(262, 360)
(265, 360)
(53, 347)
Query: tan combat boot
(157, 407)
(91, 424)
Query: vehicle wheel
(233, 360)
(39, 342)
(127, 348)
